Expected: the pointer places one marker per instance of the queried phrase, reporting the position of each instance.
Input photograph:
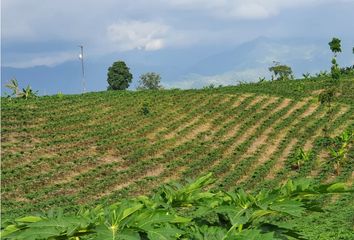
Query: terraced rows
(99, 147)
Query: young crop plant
(340, 149)
(181, 212)
(145, 109)
(301, 157)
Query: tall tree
(281, 72)
(118, 76)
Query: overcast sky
(47, 32)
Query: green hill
(98, 147)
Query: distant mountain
(303, 56)
(185, 68)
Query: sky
(191, 43)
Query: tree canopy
(150, 80)
(281, 72)
(118, 76)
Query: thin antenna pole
(82, 67)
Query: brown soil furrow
(280, 162)
(69, 176)
(322, 156)
(188, 137)
(309, 143)
(250, 131)
(180, 128)
(273, 146)
(154, 172)
(240, 99)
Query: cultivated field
(100, 147)
(66, 151)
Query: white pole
(81, 56)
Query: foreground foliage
(182, 212)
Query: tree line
(119, 78)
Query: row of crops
(100, 147)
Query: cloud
(240, 9)
(43, 59)
(225, 79)
(129, 35)
(107, 26)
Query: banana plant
(340, 150)
(25, 93)
(13, 85)
(306, 75)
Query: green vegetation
(150, 81)
(182, 212)
(97, 148)
(281, 72)
(118, 76)
(26, 93)
(93, 155)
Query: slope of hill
(97, 147)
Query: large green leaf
(291, 207)
(29, 219)
(104, 232)
(166, 232)
(35, 233)
(251, 234)
(9, 230)
(206, 232)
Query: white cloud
(43, 59)
(129, 35)
(225, 79)
(240, 9)
(108, 26)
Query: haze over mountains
(190, 43)
(187, 68)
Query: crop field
(99, 147)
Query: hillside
(97, 147)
